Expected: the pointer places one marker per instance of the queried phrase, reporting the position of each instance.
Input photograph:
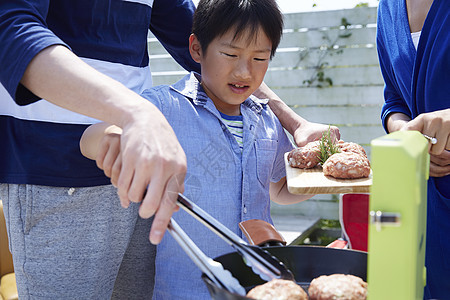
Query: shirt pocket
(266, 150)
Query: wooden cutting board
(312, 181)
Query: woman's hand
(440, 164)
(309, 132)
(434, 124)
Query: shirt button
(245, 210)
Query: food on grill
(278, 289)
(337, 286)
(347, 165)
(305, 157)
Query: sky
(291, 6)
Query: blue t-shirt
(230, 185)
(419, 82)
(40, 141)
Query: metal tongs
(211, 268)
(262, 262)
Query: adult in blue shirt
(414, 51)
(89, 60)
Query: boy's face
(232, 69)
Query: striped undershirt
(236, 126)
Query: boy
(233, 142)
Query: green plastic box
(397, 221)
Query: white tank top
(415, 37)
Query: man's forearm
(59, 76)
(152, 160)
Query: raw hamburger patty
(278, 289)
(337, 286)
(347, 165)
(350, 163)
(305, 157)
(351, 147)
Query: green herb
(327, 146)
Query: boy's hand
(108, 156)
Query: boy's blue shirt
(230, 185)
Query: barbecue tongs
(262, 262)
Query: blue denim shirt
(230, 185)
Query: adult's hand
(309, 132)
(440, 164)
(151, 157)
(434, 124)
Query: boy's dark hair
(213, 18)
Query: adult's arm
(151, 153)
(37, 64)
(302, 130)
(396, 115)
(393, 101)
(23, 34)
(171, 23)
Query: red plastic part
(355, 220)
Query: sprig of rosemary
(327, 146)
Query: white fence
(326, 69)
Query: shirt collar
(191, 88)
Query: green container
(396, 250)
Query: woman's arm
(396, 121)
(302, 130)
